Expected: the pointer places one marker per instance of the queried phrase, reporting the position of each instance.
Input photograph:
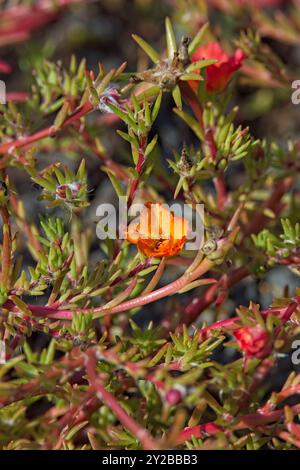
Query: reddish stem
(194, 308)
(106, 397)
(6, 249)
(251, 421)
(8, 147)
(258, 222)
(220, 186)
(231, 323)
(197, 305)
(165, 291)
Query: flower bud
(61, 190)
(175, 395)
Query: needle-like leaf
(177, 97)
(200, 64)
(198, 39)
(147, 48)
(170, 37)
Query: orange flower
(158, 232)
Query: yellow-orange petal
(133, 232)
(160, 248)
(158, 232)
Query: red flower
(254, 341)
(219, 74)
(5, 67)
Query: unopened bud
(61, 190)
(175, 395)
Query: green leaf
(158, 356)
(147, 113)
(28, 369)
(170, 37)
(198, 39)
(50, 352)
(131, 139)
(22, 306)
(119, 298)
(124, 116)
(200, 64)
(120, 70)
(269, 213)
(105, 81)
(59, 175)
(177, 97)
(194, 284)
(191, 122)
(192, 76)
(62, 115)
(149, 92)
(75, 430)
(28, 352)
(154, 56)
(44, 183)
(178, 187)
(81, 172)
(156, 106)
(114, 181)
(135, 102)
(151, 145)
